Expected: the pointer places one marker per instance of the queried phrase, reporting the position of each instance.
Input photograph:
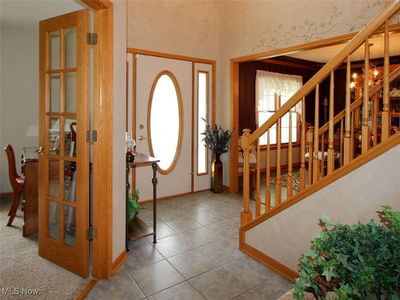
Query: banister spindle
(268, 174)
(310, 142)
(386, 93)
(365, 127)
(258, 175)
(246, 214)
(331, 150)
(322, 160)
(375, 100)
(352, 135)
(316, 137)
(290, 160)
(347, 123)
(278, 186)
(341, 135)
(303, 145)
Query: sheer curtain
(267, 85)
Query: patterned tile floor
(196, 256)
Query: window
(268, 85)
(202, 109)
(165, 122)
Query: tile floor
(196, 256)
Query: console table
(142, 160)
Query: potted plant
(360, 261)
(217, 140)
(133, 205)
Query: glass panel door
(64, 162)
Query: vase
(216, 174)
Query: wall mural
(286, 34)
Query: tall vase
(216, 174)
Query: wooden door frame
(103, 148)
(191, 59)
(234, 91)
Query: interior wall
(119, 202)
(354, 197)
(19, 90)
(223, 30)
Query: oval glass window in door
(165, 121)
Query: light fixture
(372, 77)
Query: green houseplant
(133, 205)
(360, 261)
(217, 140)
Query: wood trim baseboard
(82, 294)
(393, 141)
(119, 261)
(268, 261)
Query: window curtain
(269, 83)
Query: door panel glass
(54, 178)
(54, 220)
(70, 92)
(54, 93)
(69, 225)
(54, 51)
(70, 48)
(165, 122)
(70, 181)
(54, 135)
(202, 108)
(70, 137)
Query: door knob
(141, 137)
(40, 150)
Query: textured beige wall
(119, 127)
(223, 30)
(19, 106)
(355, 197)
(181, 27)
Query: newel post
(245, 215)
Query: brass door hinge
(91, 136)
(91, 233)
(92, 38)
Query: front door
(163, 123)
(64, 159)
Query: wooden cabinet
(30, 171)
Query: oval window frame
(180, 112)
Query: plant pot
(216, 174)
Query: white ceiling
(322, 55)
(25, 13)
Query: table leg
(154, 181)
(127, 203)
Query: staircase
(348, 166)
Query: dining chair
(16, 181)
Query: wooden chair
(16, 181)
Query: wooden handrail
(331, 65)
(358, 102)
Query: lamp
(372, 77)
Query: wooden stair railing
(322, 151)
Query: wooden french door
(64, 152)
